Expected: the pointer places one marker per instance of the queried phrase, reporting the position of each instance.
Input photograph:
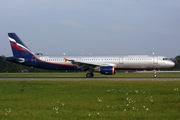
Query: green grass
(94, 100)
(83, 74)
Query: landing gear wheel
(89, 75)
(155, 76)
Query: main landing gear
(89, 75)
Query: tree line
(6, 66)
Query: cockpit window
(165, 58)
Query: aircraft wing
(83, 65)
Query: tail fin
(18, 47)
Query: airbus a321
(106, 65)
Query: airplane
(107, 64)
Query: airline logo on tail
(18, 47)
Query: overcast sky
(53, 27)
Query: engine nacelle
(107, 70)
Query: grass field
(89, 100)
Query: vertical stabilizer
(18, 47)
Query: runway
(86, 79)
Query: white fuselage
(119, 62)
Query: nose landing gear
(155, 76)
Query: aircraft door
(155, 59)
(121, 60)
(78, 59)
(33, 61)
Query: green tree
(177, 63)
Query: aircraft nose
(171, 64)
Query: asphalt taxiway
(76, 79)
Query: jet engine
(107, 70)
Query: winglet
(65, 59)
